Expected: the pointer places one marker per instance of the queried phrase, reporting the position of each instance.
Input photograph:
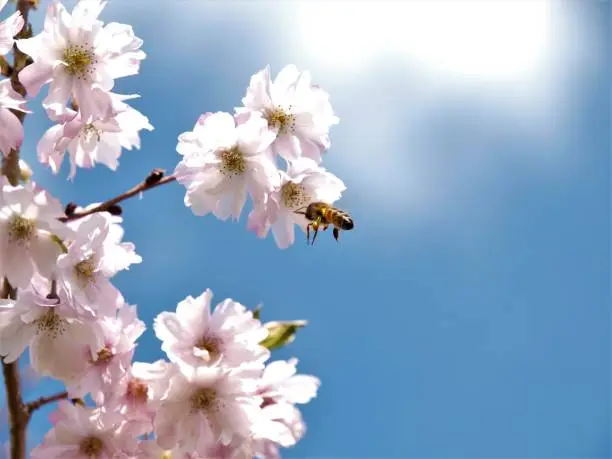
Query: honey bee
(322, 215)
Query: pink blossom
(151, 450)
(85, 433)
(56, 333)
(297, 112)
(10, 27)
(80, 58)
(281, 388)
(223, 162)
(97, 141)
(287, 425)
(138, 394)
(206, 405)
(82, 269)
(106, 365)
(229, 335)
(11, 129)
(280, 383)
(28, 227)
(115, 255)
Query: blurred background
(468, 313)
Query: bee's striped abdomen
(339, 218)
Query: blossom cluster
(229, 157)
(216, 394)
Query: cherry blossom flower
(86, 433)
(80, 58)
(10, 27)
(115, 255)
(79, 270)
(123, 48)
(56, 333)
(97, 141)
(229, 335)
(303, 183)
(28, 231)
(288, 426)
(223, 162)
(138, 394)
(106, 365)
(91, 260)
(297, 112)
(279, 383)
(151, 450)
(11, 129)
(206, 405)
(281, 388)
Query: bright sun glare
(478, 38)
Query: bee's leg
(336, 234)
(315, 227)
(325, 227)
(308, 234)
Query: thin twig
(154, 180)
(36, 404)
(17, 415)
(5, 68)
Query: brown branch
(10, 163)
(18, 417)
(5, 68)
(154, 179)
(36, 404)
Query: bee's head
(312, 212)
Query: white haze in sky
(493, 71)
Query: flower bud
(281, 333)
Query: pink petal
(284, 231)
(34, 76)
(19, 264)
(11, 131)
(47, 151)
(8, 29)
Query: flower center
(79, 60)
(50, 324)
(104, 356)
(232, 162)
(137, 391)
(293, 195)
(89, 131)
(91, 447)
(84, 271)
(21, 229)
(205, 400)
(210, 344)
(281, 119)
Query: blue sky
(467, 315)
